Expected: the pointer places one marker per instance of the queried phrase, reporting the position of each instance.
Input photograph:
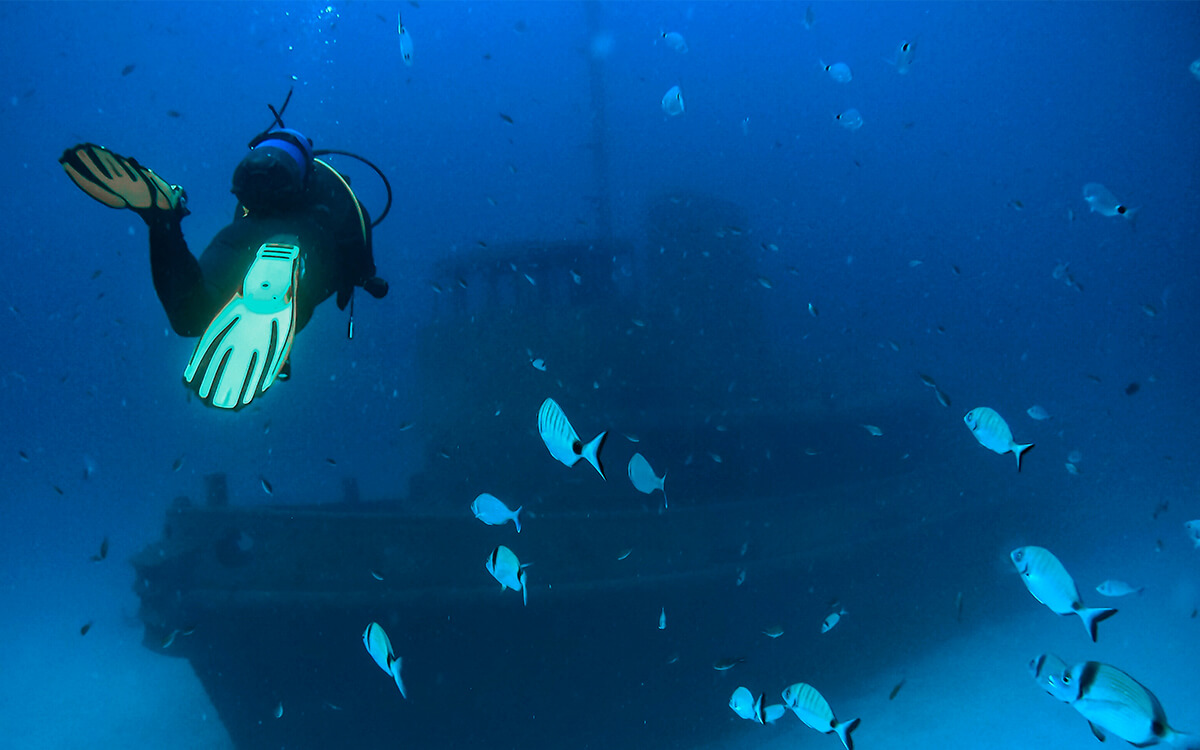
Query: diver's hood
(269, 179)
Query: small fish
(831, 620)
(993, 433)
(168, 639)
(538, 364)
(728, 663)
(1115, 703)
(662, 619)
(1161, 508)
(644, 479)
(563, 442)
(103, 551)
(927, 380)
(492, 511)
(839, 72)
(266, 486)
(508, 571)
(377, 575)
(902, 58)
(86, 627)
(1193, 532)
(675, 41)
(530, 279)
(1194, 68)
(851, 119)
(741, 577)
(128, 69)
(1038, 413)
(672, 101)
(1150, 310)
(331, 461)
(812, 310)
(742, 702)
(177, 464)
(1052, 585)
(173, 113)
(406, 43)
(506, 118)
(379, 646)
(764, 282)
(404, 427)
(809, 18)
(279, 710)
(1100, 200)
(624, 553)
(1132, 388)
(896, 690)
(814, 710)
(23, 456)
(942, 398)
(774, 631)
(1016, 205)
(1115, 588)
(872, 429)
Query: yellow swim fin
(120, 182)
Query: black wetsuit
(335, 255)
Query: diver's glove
(120, 182)
(241, 353)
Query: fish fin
(521, 578)
(394, 668)
(843, 730)
(591, 452)
(1098, 732)
(663, 487)
(517, 518)
(1018, 450)
(1092, 617)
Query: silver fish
(643, 477)
(379, 646)
(672, 101)
(1115, 703)
(1101, 200)
(902, 58)
(993, 433)
(814, 710)
(1118, 588)
(831, 621)
(742, 703)
(675, 41)
(492, 511)
(1038, 413)
(508, 571)
(563, 442)
(406, 45)
(1052, 585)
(1193, 532)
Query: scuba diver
(299, 235)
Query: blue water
(972, 163)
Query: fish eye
(577, 448)
(1121, 209)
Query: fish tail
(1018, 450)
(1092, 617)
(517, 518)
(1182, 740)
(663, 486)
(843, 730)
(394, 668)
(524, 587)
(591, 452)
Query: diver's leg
(178, 280)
